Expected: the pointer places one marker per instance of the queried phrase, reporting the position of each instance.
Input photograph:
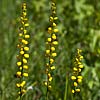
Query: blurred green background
(79, 27)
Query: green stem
(66, 89)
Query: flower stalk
(51, 44)
(23, 55)
(76, 75)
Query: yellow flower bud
(49, 86)
(45, 83)
(49, 39)
(21, 52)
(18, 73)
(26, 24)
(26, 55)
(75, 84)
(50, 79)
(52, 48)
(79, 80)
(25, 31)
(25, 74)
(77, 90)
(73, 77)
(23, 91)
(54, 24)
(26, 48)
(55, 18)
(53, 67)
(73, 91)
(49, 30)
(51, 19)
(54, 54)
(55, 43)
(80, 77)
(18, 85)
(19, 63)
(24, 61)
(20, 34)
(81, 66)
(51, 61)
(25, 66)
(27, 36)
(75, 69)
(55, 30)
(54, 36)
(24, 13)
(47, 51)
(23, 83)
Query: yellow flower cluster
(23, 51)
(51, 44)
(76, 77)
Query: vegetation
(78, 24)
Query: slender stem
(66, 88)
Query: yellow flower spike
(73, 77)
(27, 36)
(55, 30)
(24, 60)
(77, 90)
(25, 74)
(26, 55)
(26, 48)
(54, 36)
(50, 79)
(54, 54)
(75, 84)
(21, 52)
(55, 43)
(47, 51)
(49, 39)
(19, 63)
(52, 48)
(25, 66)
(73, 91)
(76, 77)
(52, 68)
